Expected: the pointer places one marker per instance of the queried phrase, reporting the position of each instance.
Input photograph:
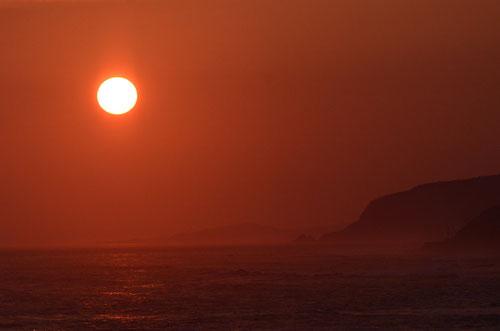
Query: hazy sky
(288, 113)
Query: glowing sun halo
(117, 95)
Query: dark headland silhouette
(425, 213)
(479, 236)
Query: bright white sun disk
(117, 95)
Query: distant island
(236, 234)
(305, 239)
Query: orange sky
(287, 113)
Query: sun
(117, 95)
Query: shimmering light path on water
(246, 287)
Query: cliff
(430, 212)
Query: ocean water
(232, 288)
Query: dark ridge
(429, 212)
(304, 238)
(243, 233)
(481, 235)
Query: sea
(287, 287)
